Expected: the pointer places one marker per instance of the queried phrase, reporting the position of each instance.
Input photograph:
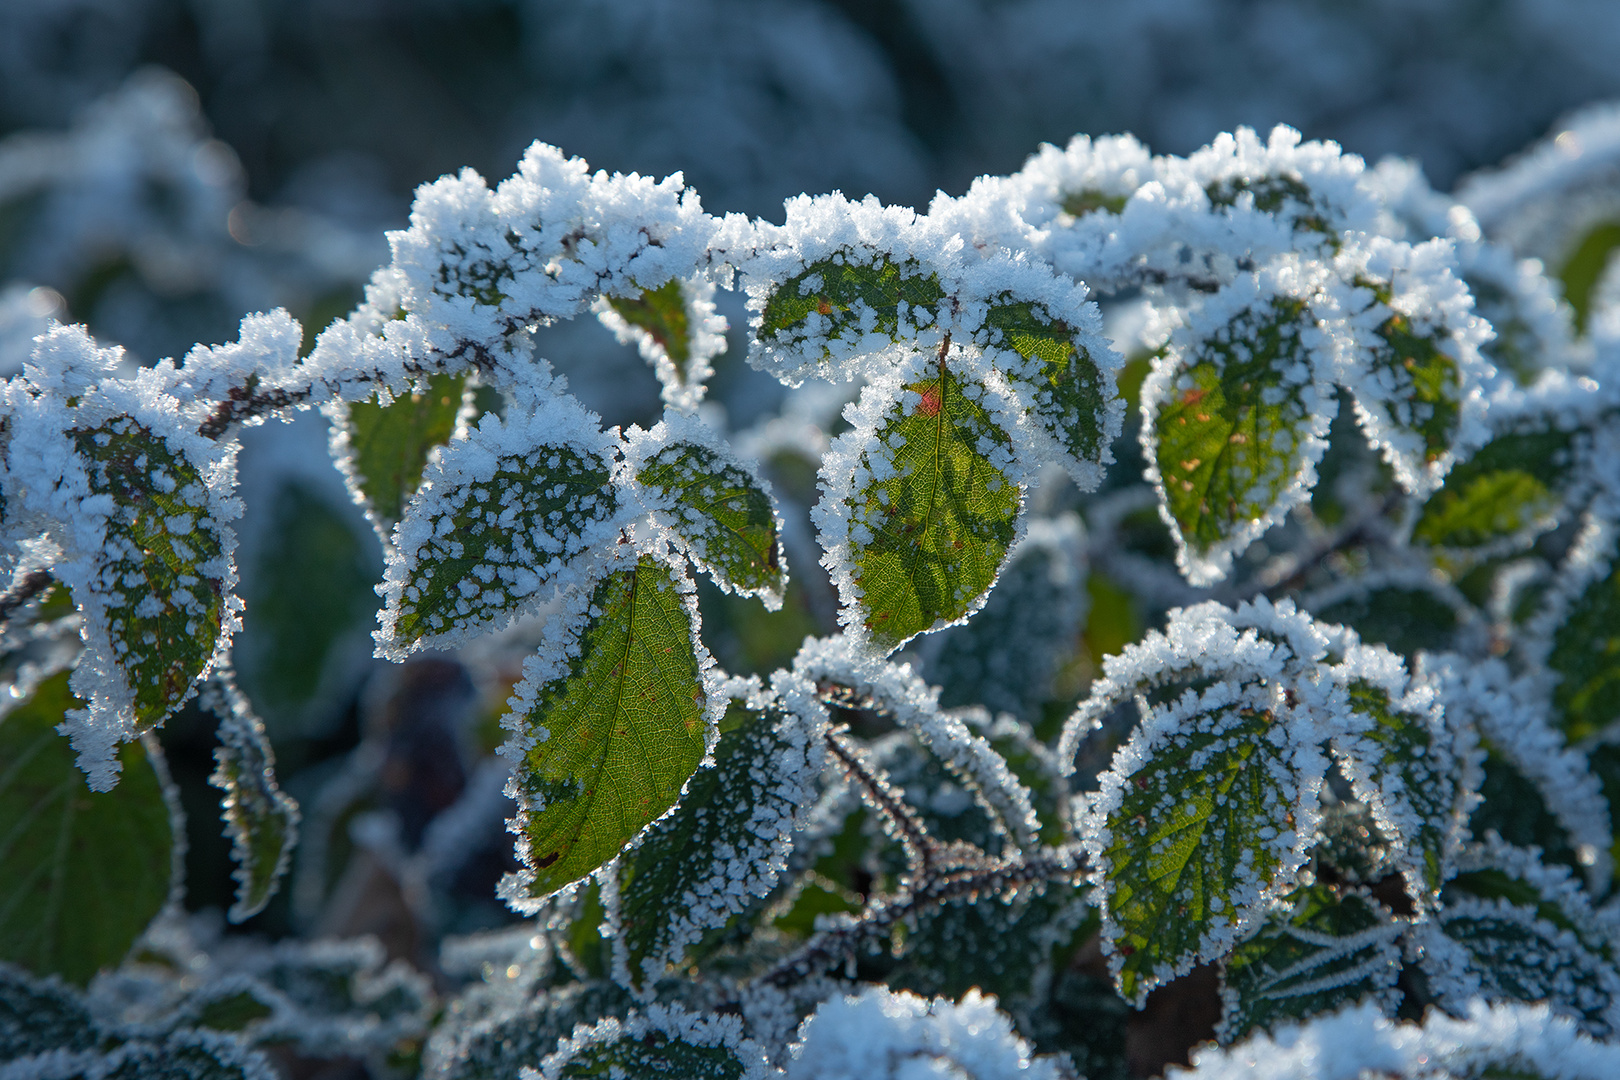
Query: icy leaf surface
(38, 1015)
(851, 298)
(1321, 950)
(85, 871)
(677, 330)
(502, 519)
(1505, 494)
(611, 719)
(1583, 647)
(1512, 929)
(665, 1041)
(1402, 764)
(922, 503)
(1068, 374)
(720, 510)
(1236, 421)
(260, 818)
(497, 1046)
(722, 848)
(388, 445)
(164, 574)
(1195, 831)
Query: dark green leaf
(391, 443)
(724, 515)
(661, 314)
(1071, 395)
(1585, 658)
(1508, 491)
(260, 818)
(85, 872)
(831, 299)
(37, 1015)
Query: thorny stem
(994, 876)
(922, 850)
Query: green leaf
(1404, 617)
(260, 818)
(37, 1015)
(844, 299)
(390, 443)
(485, 537)
(1419, 385)
(1082, 202)
(1322, 950)
(933, 516)
(1506, 493)
(665, 1042)
(1282, 195)
(162, 574)
(85, 872)
(1197, 835)
(661, 314)
(1585, 657)
(723, 514)
(1513, 807)
(615, 732)
(1585, 267)
(1402, 765)
(721, 849)
(1071, 397)
(1236, 428)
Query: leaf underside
(624, 729)
(392, 442)
(661, 314)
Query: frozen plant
(1255, 513)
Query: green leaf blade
(611, 733)
(721, 510)
(1195, 832)
(163, 577)
(388, 445)
(260, 818)
(85, 872)
(1237, 422)
(922, 507)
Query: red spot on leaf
(929, 406)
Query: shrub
(1312, 727)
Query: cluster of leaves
(1362, 759)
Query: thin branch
(922, 850)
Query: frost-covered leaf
(1403, 763)
(664, 1041)
(1201, 822)
(881, 1035)
(1236, 417)
(502, 518)
(163, 579)
(922, 502)
(1511, 929)
(336, 996)
(85, 872)
(677, 330)
(260, 818)
(1320, 950)
(498, 1046)
(183, 1055)
(864, 300)
(1068, 374)
(38, 1015)
(1580, 626)
(1405, 610)
(1415, 371)
(723, 847)
(610, 720)
(720, 511)
(1503, 496)
(386, 447)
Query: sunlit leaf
(390, 443)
